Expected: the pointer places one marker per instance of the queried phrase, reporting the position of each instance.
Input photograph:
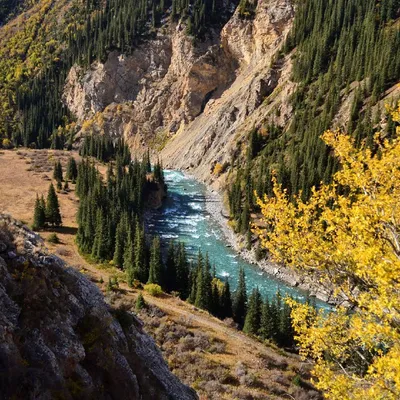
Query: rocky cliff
(197, 101)
(193, 101)
(58, 338)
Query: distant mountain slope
(59, 340)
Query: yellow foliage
(87, 125)
(6, 144)
(218, 169)
(153, 289)
(351, 244)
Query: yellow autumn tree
(347, 236)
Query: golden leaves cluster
(347, 237)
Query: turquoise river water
(184, 218)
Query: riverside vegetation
(111, 230)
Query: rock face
(199, 99)
(216, 135)
(164, 83)
(58, 338)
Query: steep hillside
(59, 338)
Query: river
(183, 217)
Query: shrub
(140, 303)
(6, 144)
(153, 289)
(53, 238)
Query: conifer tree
(129, 259)
(53, 215)
(240, 300)
(140, 268)
(170, 279)
(193, 285)
(155, 271)
(182, 272)
(120, 239)
(253, 316)
(140, 302)
(202, 294)
(100, 243)
(226, 302)
(39, 217)
(58, 172)
(72, 170)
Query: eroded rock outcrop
(164, 83)
(198, 100)
(260, 82)
(58, 338)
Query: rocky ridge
(59, 339)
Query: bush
(153, 289)
(6, 144)
(218, 169)
(140, 303)
(53, 238)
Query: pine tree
(170, 269)
(226, 302)
(39, 217)
(203, 283)
(252, 322)
(100, 243)
(53, 215)
(140, 270)
(182, 272)
(120, 238)
(129, 259)
(155, 272)
(58, 172)
(72, 171)
(140, 303)
(240, 300)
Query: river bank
(216, 209)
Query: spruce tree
(253, 315)
(155, 271)
(226, 302)
(267, 324)
(140, 269)
(72, 171)
(203, 288)
(58, 172)
(170, 279)
(140, 303)
(129, 260)
(39, 217)
(100, 243)
(182, 272)
(53, 215)
(240, 301)
(120, 238)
